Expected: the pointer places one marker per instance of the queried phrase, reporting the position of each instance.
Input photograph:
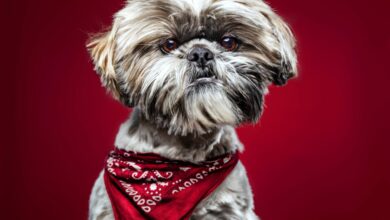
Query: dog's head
(194, 65)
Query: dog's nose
(201, 56)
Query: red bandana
(148, 186)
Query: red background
(320, 152)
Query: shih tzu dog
(192, 70)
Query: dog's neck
(140, 135)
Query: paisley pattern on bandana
(148, 186)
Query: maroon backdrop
(320, 151)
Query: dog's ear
(102, 50)
(284, 48)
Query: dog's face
(194, 65)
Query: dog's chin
(204, 108)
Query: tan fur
(102, 50)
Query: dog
(192, 70)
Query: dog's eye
(168, 45)
(229, 43)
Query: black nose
(201, 56)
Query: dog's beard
(177, 95)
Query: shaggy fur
(184, 111)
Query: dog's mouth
(205, 80)
(205, 76)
